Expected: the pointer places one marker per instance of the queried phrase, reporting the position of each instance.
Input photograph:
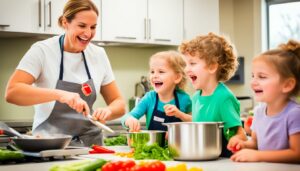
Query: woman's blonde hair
(286, 60)
(72, 7)
(176, 62)
(214, 49)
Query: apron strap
(61, 70)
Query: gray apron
(65, 120)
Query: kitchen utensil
(33, 143)
(195, 140)
(56, 141)
(100, 125)
(6, 130)
(148, 137)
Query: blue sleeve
(139, 110)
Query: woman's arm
(20, 91)
(114, 100)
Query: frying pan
(35, 144)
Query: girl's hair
(213, 49)
(286, 60)
(72, 7)
(176, 62)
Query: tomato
(128, 164)
(108, 166)
(137, 168)
(249, 121)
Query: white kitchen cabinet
(32, 16)
(200, 17)
(142, 21)
(53, 10)
(18, 16)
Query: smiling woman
(67, 72)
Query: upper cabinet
(34, 16)
(17, 16)
(200, 17)
(142, 21)
(53, 10)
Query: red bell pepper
(100, 149)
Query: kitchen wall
(239, 19)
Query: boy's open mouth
(193, 78)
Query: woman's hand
(74, 101)
(171, 110)
(102, 114)
(133, 124)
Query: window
(283, 21)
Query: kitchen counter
(222, 164)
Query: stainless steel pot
(195, 140)
(148, 137)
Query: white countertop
(222, 164)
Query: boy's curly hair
(214, 49)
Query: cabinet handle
(145, 28)
(49, 4)
(40, 13)
(149, 26)
(4, 25)
(163, 40)
(123, 37)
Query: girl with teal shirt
(167, 102)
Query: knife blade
(99, 124)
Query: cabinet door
(97, 36)
(19, 16)
(165, 19)
(200, 17)
(124, 20)
(53, 10)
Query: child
(276, 124)
(167, 102)
(210, 60)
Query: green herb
(119, 140)
(151, 152)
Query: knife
(99, 124)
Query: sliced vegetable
(86, 165)
(6, 155)
(100, 149)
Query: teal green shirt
(221, 106)
(147, 104)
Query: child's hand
(133, 124)
(235, 144)
(245, 155)
(171, 110)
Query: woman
(66, 72)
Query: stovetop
(48, 155)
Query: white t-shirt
(42, 61)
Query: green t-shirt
(221, 106)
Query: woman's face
(80, 31)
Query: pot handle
(221, 124)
